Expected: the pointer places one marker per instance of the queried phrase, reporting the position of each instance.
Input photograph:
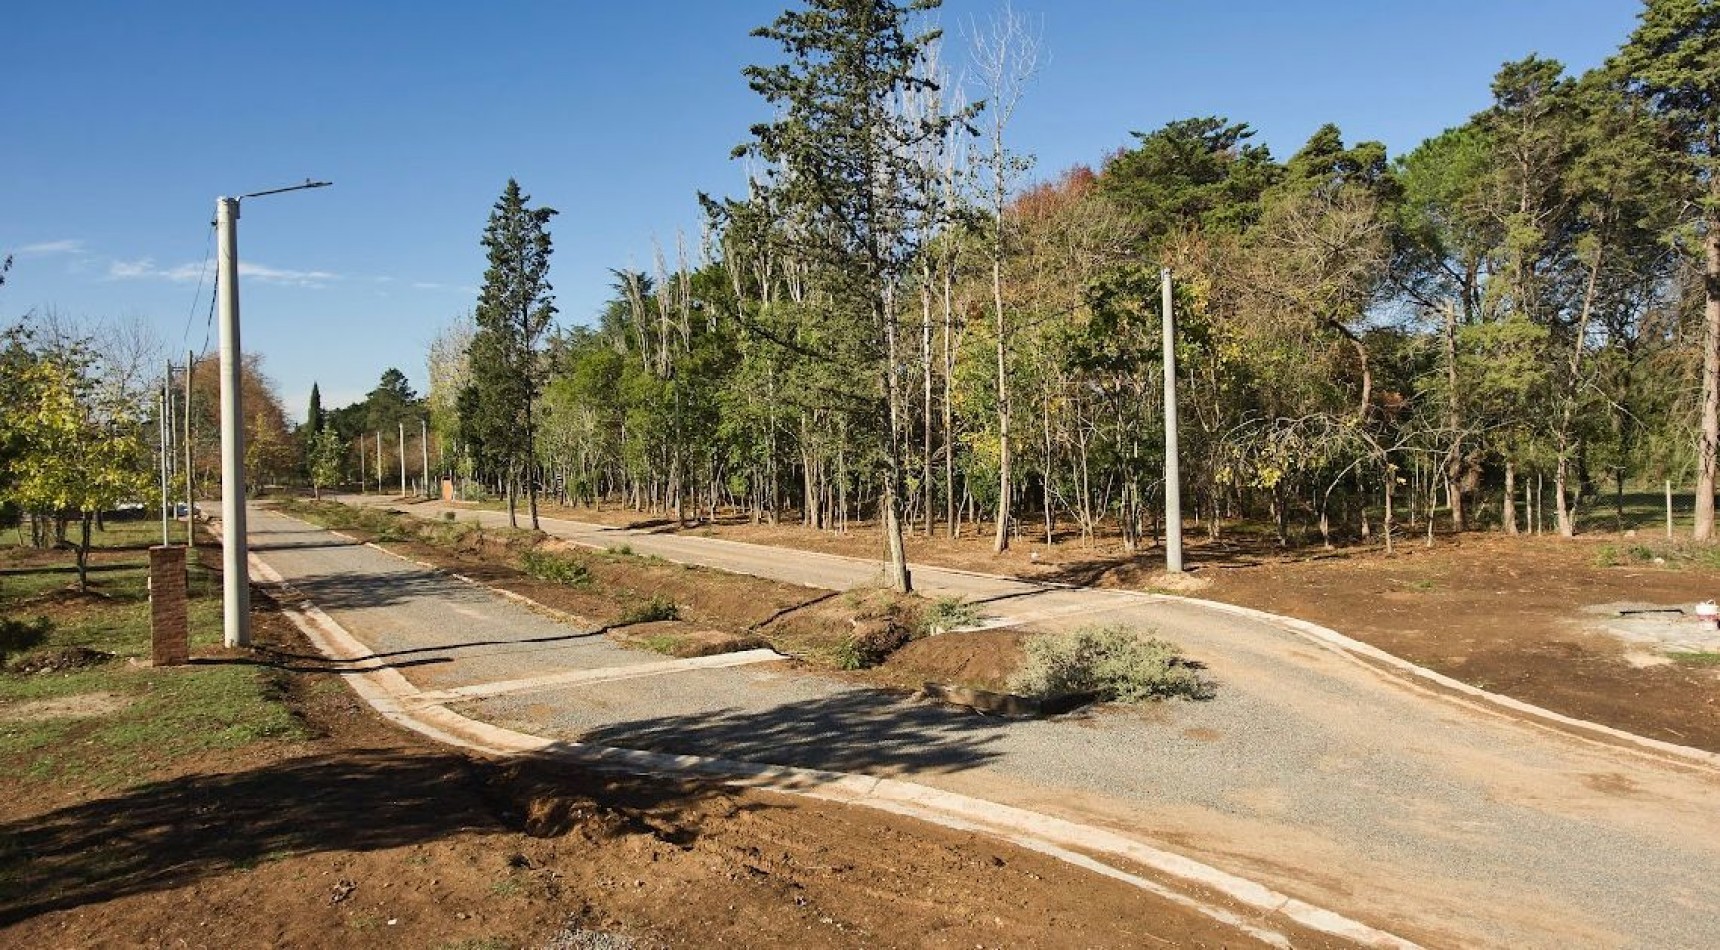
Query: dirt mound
(60, 660)
(979, 658)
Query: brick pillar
(169, 630)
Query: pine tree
(842, 152)
(1672, 62)
(314, 415)
(514, 311)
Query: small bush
(19, 635)
(622, 549)
(948, 613)
(651, 611)
(554, 568)
(1115, 663)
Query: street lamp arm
(275, 191)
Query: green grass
(1673, 554)
(661, 643)
(163, 715)
(555, 568)
(1695, 658)
(948, 613)
(650, 611)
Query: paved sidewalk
(1308, 772)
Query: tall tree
(314, 414)
(514, 311)
(842, 154)
(1006, 56)
(1672, 61)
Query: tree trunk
(1710, 436)
(1507, 507)
(84, 553)
(513, 516)
(1001, 543)
(1453, 420)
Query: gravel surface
(1308, 772)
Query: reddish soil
(1497, 612)
(367, 835)
(983, 659)
(1505, 614)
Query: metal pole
(402, 446)
(361, 481)
(235, 577)
(424, 447)
(1669, 509)
(161, 462)
(190, 499)
(380, 488)
(1173, 476)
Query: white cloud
(278, 275)
(66, 246)
(145, 268)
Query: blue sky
(122, 122)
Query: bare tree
(1006, 55)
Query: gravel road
(1309, 772)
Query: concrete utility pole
(402, 437)
(235, 545)
(380, 488)
(424, 447)
(1173, 474)
(161, 468)
(190, 499)
(361, 482)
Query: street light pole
(235, 576)
(235, 546)
(1173, 474)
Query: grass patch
(948, 613)
(151, 718)
(663, 643)
(1695, 658)
(1115, 663)
(651, 611)
(555, 568)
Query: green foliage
(1115, 663)
(514, 311)
(556, 568)
(655, 609)
(326, 457)
(948, 613)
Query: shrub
(19, 635)
(651, 611)
(554, 568)
(948, 613)
(1115, 663)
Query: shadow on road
(856, 731)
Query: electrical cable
(202, 272)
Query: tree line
(888, 324)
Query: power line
(190, 313)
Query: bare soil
(1502, 613)
(365, 835)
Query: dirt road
(1309, 772)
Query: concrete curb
(396, 699)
